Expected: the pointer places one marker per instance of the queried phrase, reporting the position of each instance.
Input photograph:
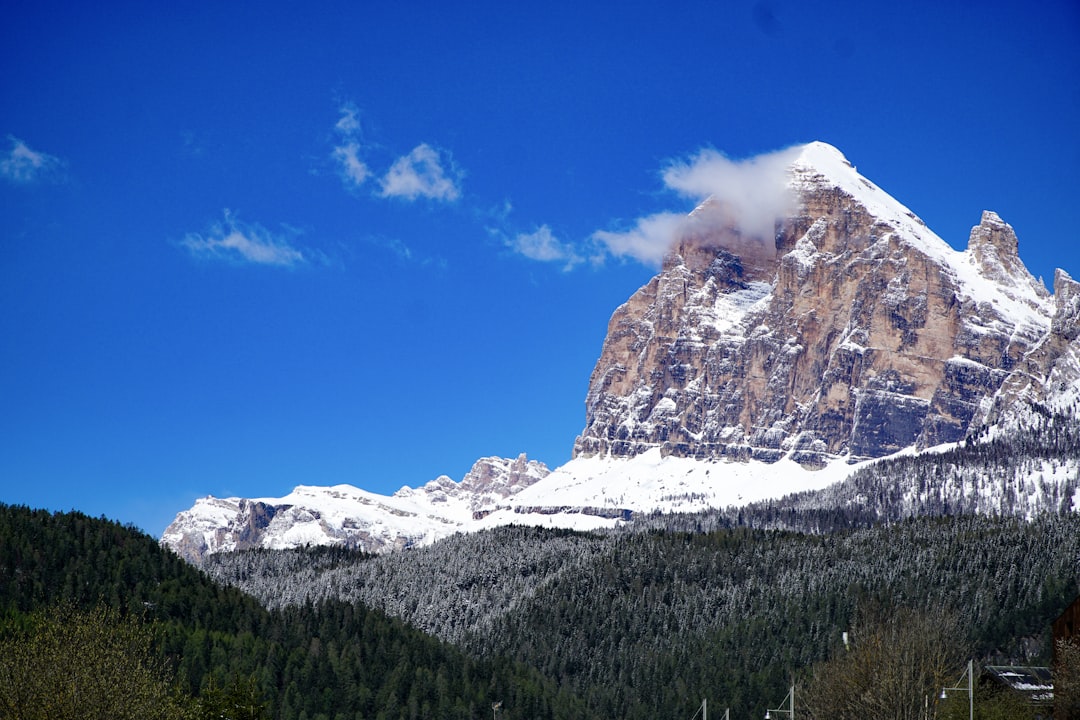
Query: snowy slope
(310, 515)
(651, 483)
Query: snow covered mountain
(584, 494)
(747, 369)
(863, 334)
(349, 516)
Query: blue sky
(320, 243)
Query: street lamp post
(970, 689)
(703, 709)
(789, 710)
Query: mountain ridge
(344, 514)
(854, 334)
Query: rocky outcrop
(486, 486)
(502, 477)
(1048, 380)
(862, 334)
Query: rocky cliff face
(861, 334)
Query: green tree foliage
(48, 558)
(241, 699)
(1066, 681)
(68, 664)
(326, 659)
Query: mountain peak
(863, 333)
(789, 343)
(993, 232)
(822, 156)
(818, 166)
(994, 251)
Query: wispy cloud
(349, 122)
(746, 196)
(421, 174)
(22, 165)
(542, 245)
(245, 243)
(647, 242)
(404, 253)
(346, 154)
(351, 168)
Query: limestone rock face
(859, 334)
(502, 477)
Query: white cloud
(22, 165)
(348, 124)
(352, 169)
(245, 243)
(648, 241)
(420, 174)
(542, 245)
(750, 194)
(747, 197)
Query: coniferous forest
(332, 660)
(644, 622)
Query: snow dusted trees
(642, 623)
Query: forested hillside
(330, 659)
(645, 624)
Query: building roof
(1036, 683)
